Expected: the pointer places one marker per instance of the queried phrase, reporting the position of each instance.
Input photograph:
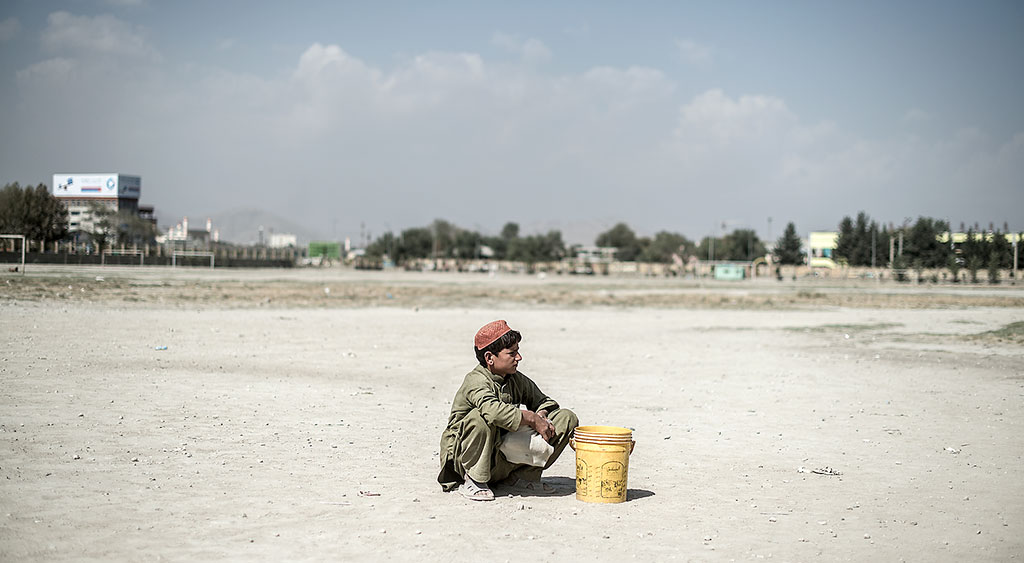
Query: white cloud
(9, 28)
(319, 59)
(531, 50)
(715, 115)
(694, 53)
(49, 72)
(94, 35)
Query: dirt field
(295, 414)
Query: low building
(181, 235)
(730, 272)
(282, 240)
(821, 247)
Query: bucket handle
(572, 444)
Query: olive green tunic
(491, 402)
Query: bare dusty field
(150, 414)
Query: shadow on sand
(565, 486)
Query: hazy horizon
(347, 118)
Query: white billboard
(97, 185)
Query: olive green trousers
(477, 455)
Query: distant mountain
(241, 226)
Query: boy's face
(505, 362)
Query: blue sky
(573, 115)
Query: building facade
(80, 193)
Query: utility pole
(1016, 243)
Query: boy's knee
(570, 418)
(474, 428)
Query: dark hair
(504, 341)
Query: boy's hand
(540, 423)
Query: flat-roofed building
(80, 192)
(821, 246)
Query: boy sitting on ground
(502, 429)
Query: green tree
(444, 238)
(417, 242)
(860, 241)
(861, 255)
(974, 251)
(537, 248)
(103, 231)
(385, 245)
(1000, 250)
(130, 229)
(498, 245)
(953, 264)
(993, 267)
(32, 212)
(742, 244)
(789, 248)
(921, 244)
(627, 246)
(510, 231)
(467, 243)
(846, 241)
(664, 246)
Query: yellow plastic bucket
(602, 462)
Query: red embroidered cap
(489, 333)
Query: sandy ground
(285, 422)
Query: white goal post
(115, 252)
(176, 253)
(22, 237)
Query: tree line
(37, 214)
(33, 212)
(862, 241)
(445, 240)
(925, 244)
